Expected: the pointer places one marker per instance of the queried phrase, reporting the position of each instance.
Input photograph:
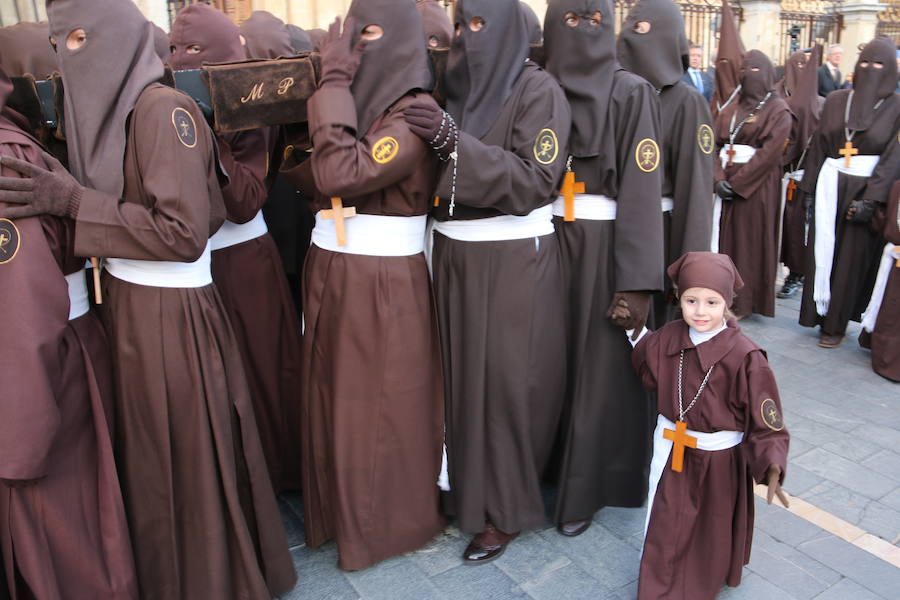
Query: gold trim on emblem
(546, 144)
(385, 149)
(646, 155)
(705, 138)
(181, 131)
(4, 240)
(772, 414)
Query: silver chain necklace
(732, 133)
(683, 411)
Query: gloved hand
(629, 310)
(20, 483)
(39, 191)
(772, 477)
(339, 60)
(424, 118)
(725, 191)
(861, 211)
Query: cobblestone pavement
(845, 461)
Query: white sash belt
(662, 447)
(165, 274)
(742, 154)
(537, 223)
(373, 235)
(888, 258)
(78, 295)
(827, 217)
(591, 207)
(232, 234)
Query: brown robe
(857, 248)
(66, 536)
(605, 430)
(701, 524)
(748, 230)
(201, 509)
(372, 405)
(501, 311)
(255, 293)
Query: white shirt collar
(698, 337)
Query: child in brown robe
(717, 396)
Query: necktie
(698, 81)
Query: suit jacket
(708, 83)
(826, 83)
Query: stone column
(860, 21)
(156, 11)
(761, 27)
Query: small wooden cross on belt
(680, 439)
(339, 213)
(791, 186)
(569, 188)
(848, 151)
(730, 152)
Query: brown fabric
(161, 43)
(122, 40)
(67, 535)
(660, 54)
(701, 524)
(748, 230)
(266, 36)
(438, 28)
(885, 339)
(794, 67)
(872, 84)
(372, 404)
(532, 25)
(316, 36)
(300, 39)
(757, 80)
(706, 270)
(25, 48)
(857, 248)
(728, 59)
(200, 505)
(217, 37)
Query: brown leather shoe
(487, 546)
(573, 528)
(827, 340)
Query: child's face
(703, 309)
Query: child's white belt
(78, 295)
(662, 447)
(537, 223)
(232, 234)
(373, 235)
(165, 274)
(742, 154)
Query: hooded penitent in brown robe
(500, 300)
(604, 435)
(687, 144)
(65, 534)
(748, 228)
(834, 295)
(201, 511)
(701, 519)
(25, 48)
(729, 55)
(881, 330)
(245, 262)
(371, 398)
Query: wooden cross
(847, 152)
(680, 439)
(791, 186)
(569, 188)
(339, 213)
(95, 267)
(730, 152)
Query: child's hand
(773, 475)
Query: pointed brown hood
(204, 28)
(266, 36)
(25, 48)
(757, 79)
(728, 59)
(438, 28)
(804, 98)
(871, 83)
(659, 55)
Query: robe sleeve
(35, 307)
(344, 166)
(514, 181)
(638, 226)
(765, 436)
(245, 158)
(174, 180)
(692, 180)
(878, 186)
(645, 359)
(747, 179)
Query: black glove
(725, 191)
(39, 191)
(339, 60)
(861, 211)
(629, 310)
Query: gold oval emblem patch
(9, 241)
(705, 138)
(646, 155)
(185, 127)
(771, 416)
(385, 150)
(546, 146)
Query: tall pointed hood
(804, 98)
(871, 83)
(659, 55)
(728, 59)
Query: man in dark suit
(697, 77)
(829, 75)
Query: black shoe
(574, 528)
